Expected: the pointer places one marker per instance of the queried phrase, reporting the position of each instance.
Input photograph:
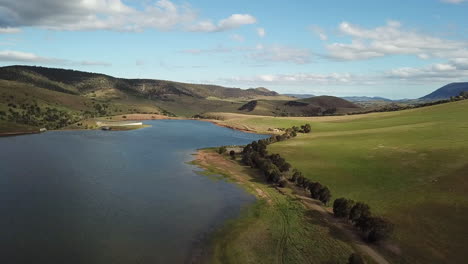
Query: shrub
(232, 153)
(222, 150)
(306, 128)
(282, 183)
(324, 195)
(314, 189)
(359, 210)
(296, 175)
(342, 207)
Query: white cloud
(455, 70)
(262, 53)
(237, 37)
(75, 15)
(319, 32)
(27, 57)
(9, 30)
(299, 79)
(219, 49)
(277, 53)
(232, 22)
(19, 56)
(453, 1)
(439, 73)
(392, 39)
(261, 32)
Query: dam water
(113, 197)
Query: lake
(113, 197)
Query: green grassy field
(410, 166)
(277, 228)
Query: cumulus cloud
(262, 53)
(19, 56)
(451, 71)
(392, 39)
(9, 30)
(319, 32)
(297, 79)
(78, 15)
(277, 53)
(234, 21)
(261, 32)
(454, 70)
(27, 57)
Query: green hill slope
(411, 166)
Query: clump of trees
(222, 150)
(277, 170)
(373, 229)
(33, 115)
(232, 153)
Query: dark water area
(112, 197)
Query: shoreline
(18, 133)
(273, 199)
(131, 117)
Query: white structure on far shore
(118, 123)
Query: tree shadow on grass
(317, 218)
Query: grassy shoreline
(277, 228)
(410, 166)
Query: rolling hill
(447, 91)
(34, 97)
(81, 83)
(38, 96)
(410, 166)
(314, 106)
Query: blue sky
(395, 49)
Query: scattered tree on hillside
(306, 128)
(283, 183)
(314, 188)
(342, 207)
(325, 195)
(359, 210)
(374, 229)
(222, 150)
(296, 175)
(232, 153)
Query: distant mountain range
(447, 91)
